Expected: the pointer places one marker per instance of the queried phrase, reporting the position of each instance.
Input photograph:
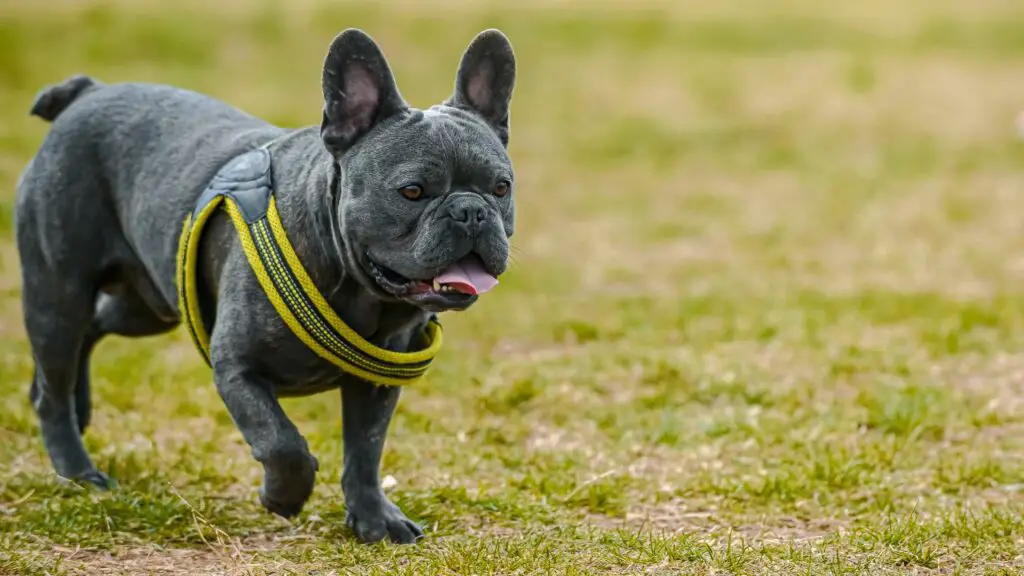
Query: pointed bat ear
(485, 80)
(359, 90)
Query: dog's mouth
(455, 288)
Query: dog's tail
(53, 100)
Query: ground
(766, 313)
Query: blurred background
(768, 264)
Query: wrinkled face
(426, 200)
(427, 207)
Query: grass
(768, 281)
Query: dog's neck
(307, 187)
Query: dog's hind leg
(67, 240)
(57, 318)
(123, 312)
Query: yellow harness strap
(243, 188)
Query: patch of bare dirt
(221, 556)
(160, 561)
(677, 517)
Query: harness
(243, 187)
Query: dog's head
(426, 196)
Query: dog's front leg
(289, 470)
(366, 414)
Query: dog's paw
(288, 484)
(92, 478)
(283, 508)
(378, 518)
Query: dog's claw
(100, 480)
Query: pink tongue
(468, 276)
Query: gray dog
(396, 214)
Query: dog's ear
(485, 80)
(359, 90)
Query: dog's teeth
(437, 285)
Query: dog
(393, 214)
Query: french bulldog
(397, 214)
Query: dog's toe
(93, 478)
(100, 480)
(386, 522)
(414, 529)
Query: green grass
(766, 314)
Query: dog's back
(118, 170)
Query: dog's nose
(469, 212)
(463, 213)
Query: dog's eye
(501, 189)
(411, 192)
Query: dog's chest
(296, 371)
(314, 378)
(291, 366)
